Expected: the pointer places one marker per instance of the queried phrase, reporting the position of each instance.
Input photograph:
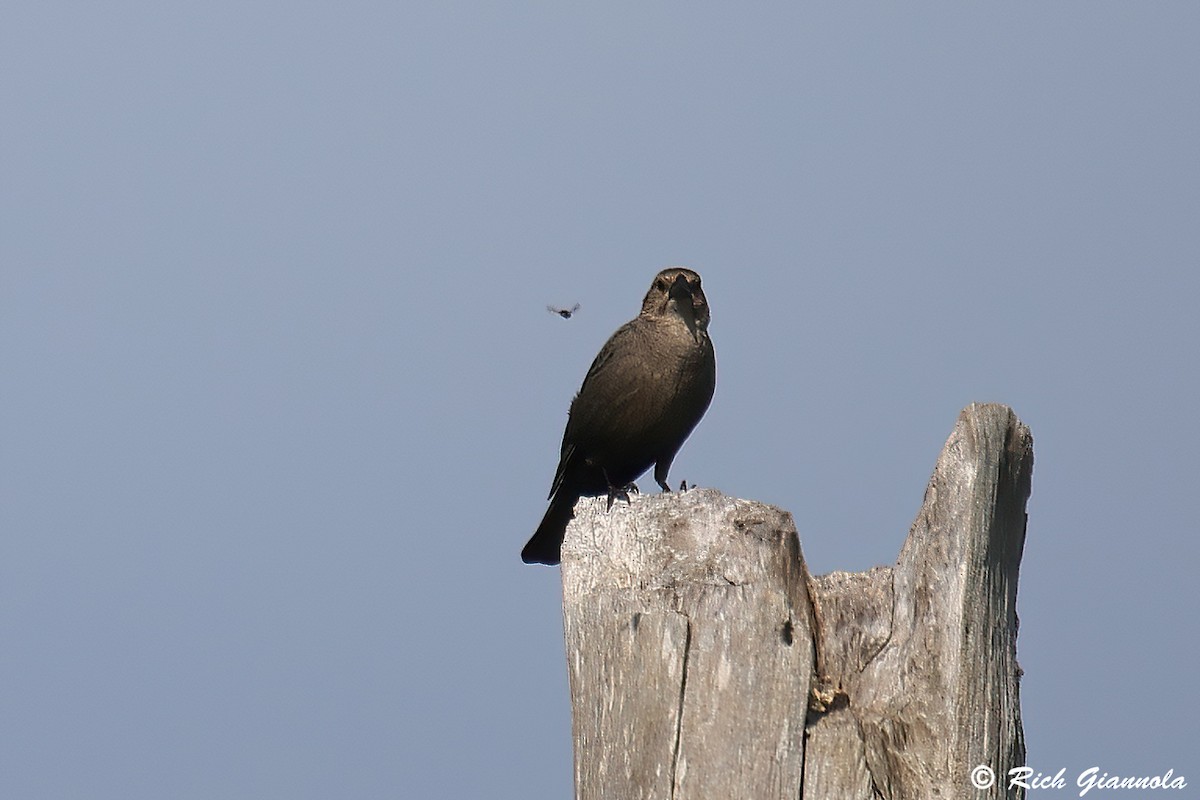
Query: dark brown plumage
(648, 387)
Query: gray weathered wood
(701, 653)
(854, 620)
(689, 648)
(941, 697)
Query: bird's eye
(661, 285)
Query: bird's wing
(568, 454)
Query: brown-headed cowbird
(648, 387)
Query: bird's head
(676, 290)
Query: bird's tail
(545, 546)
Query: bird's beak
(680, 289)
(679, 297)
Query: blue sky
(283, 400)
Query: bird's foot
(621, 493)
(683, 487)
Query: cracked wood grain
(704, 662)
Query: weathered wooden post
(705, 662)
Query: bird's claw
(622, 493)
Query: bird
(645, 392)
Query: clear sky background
(282, 400)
